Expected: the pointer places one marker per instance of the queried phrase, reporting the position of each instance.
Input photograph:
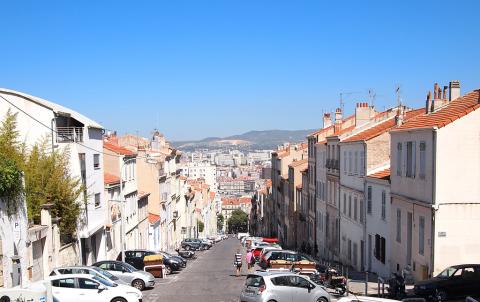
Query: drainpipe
(51, 127)
(434, 166)
(365, 256)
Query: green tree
(11, 162)
(238, 222)
(48, 180)
(220, 221)
(201, 226)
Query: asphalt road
(209, 278)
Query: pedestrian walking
(237, 262)
(249, 258)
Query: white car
(353, 298)
(88, 288)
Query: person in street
(248, 258)
(237, 262)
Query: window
(87, 284)
(344, 204)
(362, 210)
(96, 161)
(380, 248)
(67, 282)
(399, 159)
(297, 281)
(350, 162)
(421, 235)
(399, 222)
(350, 206)
(354, 262)
(384, 204)
(362, 163)
(97, 200)
(355, 208)
(423, 147)
(83, 172)
(356, 163)
(369, 199)
(411, 160)
(345, 162)
(349, 249)
(277, 281)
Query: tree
(42, 175)
(238, 222)
(220, 221)
(11, 162)
(201, 226)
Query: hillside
(266, 139)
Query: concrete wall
(378, 152)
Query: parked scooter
(396, 287)
(186, 254)
(331, 279)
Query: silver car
(91, 270)
(124, 271)
(281, 287)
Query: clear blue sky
(214, 68)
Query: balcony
(69, 134)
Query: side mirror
(101, 287)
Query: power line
(53, 130)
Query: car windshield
(105, 273)
(306, 257)
(448, 272)
(104, 281)
(254, 281)
(128, 266)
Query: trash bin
(154, 265)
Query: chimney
(363, 113)
(445, 90)
(437, 99)
(327, 120)
(454, 90)
(400, 116)
(338, 119)
(428, 105)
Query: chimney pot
(435, 91)
(454, 87)
(428, 105)
(445, 89)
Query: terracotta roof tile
(153, 218)
(449, 113)
(381, 127)
(384, 174)
(117, 149)
(110, 179)
(297, 163)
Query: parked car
(124, 271)
(175, 262)
(265, 250)
(290, 256)
(136, 259)
(458, 281)
(265, 286)
(66, 288)
(194, 244)
(91, 270)
(354, 298)
(242, 235)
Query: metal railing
(69, 134)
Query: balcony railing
(69, 134)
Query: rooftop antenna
(399, 99)
(372, 95)
(342, 103)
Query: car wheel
(322, 299)
(138, 284)
(440, 296)
(118, 299)
(168, 270)
(187, 248)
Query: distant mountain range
(266, 139)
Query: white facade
(378, 226)
(38, 119)
(203, 170)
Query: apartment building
(281, 159)
(203, 170)
(378, 222)
(294, 180)
(434, 184)
(38, 119)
